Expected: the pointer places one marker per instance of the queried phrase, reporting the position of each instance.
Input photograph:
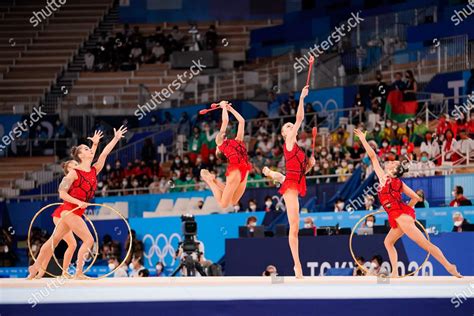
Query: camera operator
(197, 256)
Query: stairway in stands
(32, 58)
(65, 82)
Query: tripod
(191, 267)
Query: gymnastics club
(311, 62)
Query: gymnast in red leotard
(401, 216)
(76, 189)
(235, 151)
(294, 182)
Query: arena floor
(216, 295)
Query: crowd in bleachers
(125, 49)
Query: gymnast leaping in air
(238, 168)
(76, 189)
(400, 215)
(294, 181)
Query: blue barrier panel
(318, 254)
(162, 235)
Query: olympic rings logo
(157, 248)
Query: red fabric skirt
(67, 207)
(243, 168)
(292, 184)
(395, 212)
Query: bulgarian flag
(400, 110)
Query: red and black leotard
(236, 153)
(390, 197)
(83, 188)
(295, 164)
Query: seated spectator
(157, 54)
(423, 203)
(369, 202)
(211, 38)
(430, 146)
(339, 206)
(253, 179)
(376, 267)
(369, 222)
(271, 270)
(136, 54)
(459, 198)
(252, 207)
(309, 224)
(411, 87)
(145, 273)
(342, 171)
(444, 125)
(251, 223)
(136, 266)
(160, 269)
(269, 207)
(121, 272)
(238, 207)
(459, 222)
(154, 187)
(177, 38)
(358, 271)
(449, 147)
(424, 167)
(465, 145)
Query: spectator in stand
(424, 167)
(144, 273)
(343, 171)
(164, 185)
(136, 266)
(304, 142)
(270, 271)
(369, 202)
(184, 124)
(470, 125)
(121, 272)
(339, 206)
(195, 143)
(238, 207)
(423, 203)
(137, 246)
(369, 222)
(411, 87)
(419, 131)
(430, 146)
(157, 54)
(177, 37)
(398, 84)
(251, 222)
(253, 177)
(309, 224)
(358, 271)
(252, 207)
(265, 144)
(160, 269)
(459, 198)
(459, 222)
(211, 38)
(269, 207)
(154, 187)
(376, 267)
(444, 124)
(89, 60)
(136, 54)
(465, 145)
(148, 151)
(449, 147)
(7, 255)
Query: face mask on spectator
(186, 160)
(424, 159)
(124, 183)
(394, 127)
(108, 167)
(418, 122)
(252, 224)
(370, 224)
(188, 178)
(350, 166)
(389, 124)
(377, 129)
(34, 248)
(453, 193)
(177, 161)
(111, 266)
(198, 160)
(374, 265)
(253, 207)
(236, 208)
(268, 203)
(403, 151)
(211, 158)
(130, 266)
(325, 166)
(307, 225)
(158, 268)
(384, 144)
(458, 223)
(344, 164)
(340, 205)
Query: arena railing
(201, 186)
